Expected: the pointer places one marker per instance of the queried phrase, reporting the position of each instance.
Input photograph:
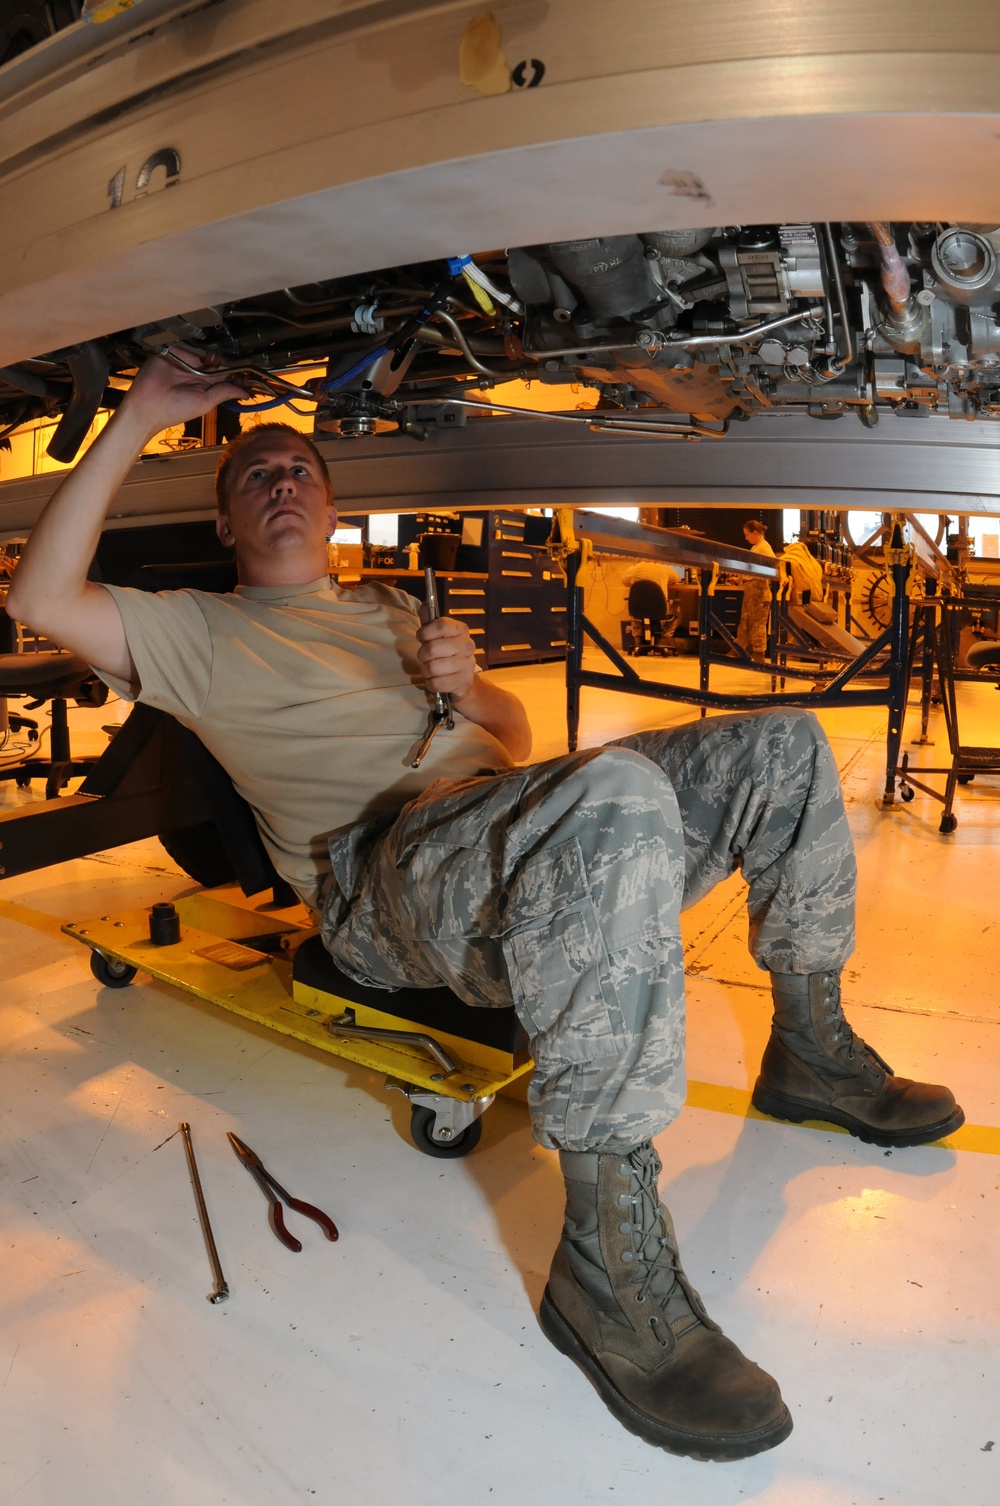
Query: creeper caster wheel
(424, 1130)
(111, 973)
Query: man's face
(278, 501)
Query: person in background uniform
(662, 575)
(556, 886)
(665, 576)
(752, 632)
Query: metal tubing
(466, 348)
(834, 694)
(221, 1292)
(895, 277)
(268, 381)
(718, 700)
(599, 421)
(625, 669)
(690, 342)
(923, 632)
(836, 366)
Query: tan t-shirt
(309, 696)
(755, 588)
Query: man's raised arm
(50, 592)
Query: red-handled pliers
(273, 1191)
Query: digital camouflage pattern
(558, 888)
(752, 631)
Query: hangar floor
(405, 1361)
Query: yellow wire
(480, 295)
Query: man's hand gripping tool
(441, 714)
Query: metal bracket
(452, 1116)
(897, 550)
(563, 540)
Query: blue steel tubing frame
(924, 635)
(576, 625)
(893, 696)
(705, 615)
(899, 674)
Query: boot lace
(842, 1034)
(654, 1251)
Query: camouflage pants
(752, 631)
(558, 888)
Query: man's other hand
(164, 394)
(447, 656)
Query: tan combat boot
(815, 1067)
(619, 1304)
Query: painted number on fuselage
(167, 157)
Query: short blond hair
(237, 447)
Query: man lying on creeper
(556, 887)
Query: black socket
(164, 925)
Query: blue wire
(328, 386)
(274, 402)
(332, 383)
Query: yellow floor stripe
(984, 1138)
(25, 916)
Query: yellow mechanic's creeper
(267, 964)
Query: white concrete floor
(405, 1362)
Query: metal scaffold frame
(577, 535)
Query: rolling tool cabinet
(526, 596)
